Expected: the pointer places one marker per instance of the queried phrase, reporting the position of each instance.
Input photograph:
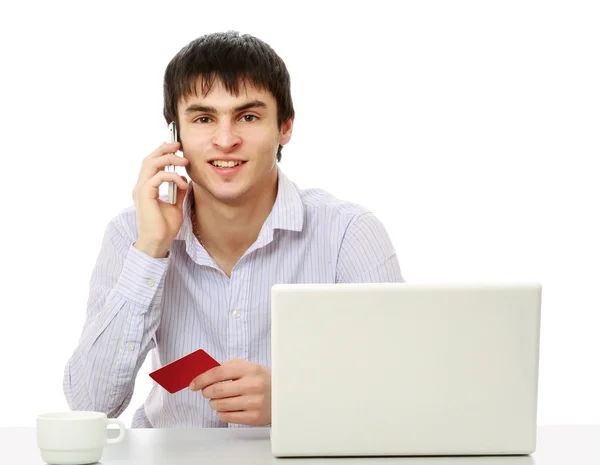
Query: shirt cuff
(142, 276)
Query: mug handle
(121, 425)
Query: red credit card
(179, 374)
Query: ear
(285, 133)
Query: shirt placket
(237, 321)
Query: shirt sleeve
(123, 313)
(367, 254)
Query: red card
(178, 374)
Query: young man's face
(221, 130)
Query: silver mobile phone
(171, 168)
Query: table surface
(577, 445)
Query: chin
(228, 194)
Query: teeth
(225, 164)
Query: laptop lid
(404, 369)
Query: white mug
(74, 438)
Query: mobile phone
(171, 168)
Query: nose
(225, 138)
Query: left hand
(246, 399)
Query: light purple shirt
(176, 305)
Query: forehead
(203, 92)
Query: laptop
(404, 369)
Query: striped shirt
(173, 306)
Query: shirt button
(150, 282)
(131, 346)
(236, 313)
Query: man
(198, 273)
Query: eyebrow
(246, 106)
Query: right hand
(158, 221)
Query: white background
(470, 128)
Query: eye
(203, 119)
(249, 118)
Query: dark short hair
(233, 59)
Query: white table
(565, 445)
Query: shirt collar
(288, 209)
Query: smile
(226, 164)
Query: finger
(151, 166)
(236, 404)
(150, 189)
(179, 201)
(159, 163)
(230, 404)
(225, 389)
(225, 372)
(246, 417)
(164, 148)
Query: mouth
(226, 163)
(226, 167)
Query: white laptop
(402, 369)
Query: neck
(228, 230)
